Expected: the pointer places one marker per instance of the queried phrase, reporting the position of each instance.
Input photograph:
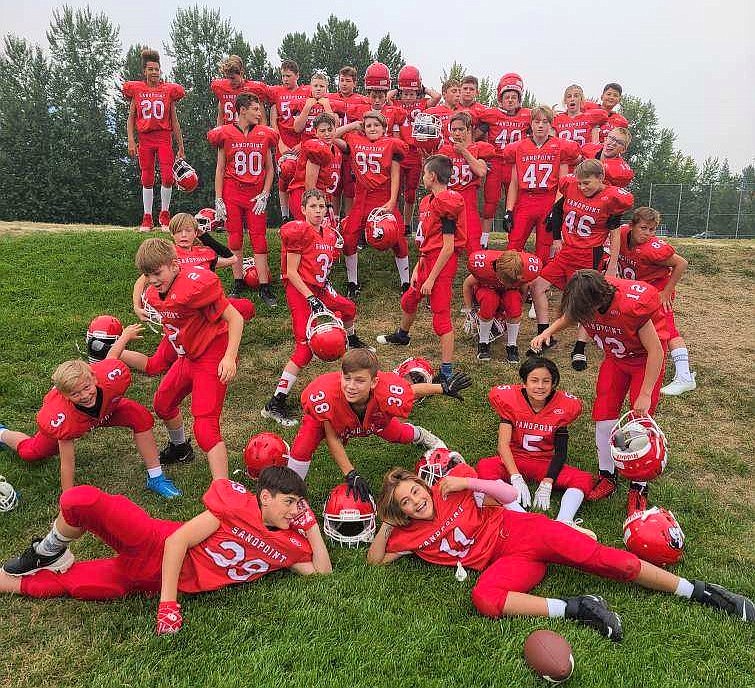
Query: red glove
(305, 519)
(169, 619)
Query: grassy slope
(411, 623)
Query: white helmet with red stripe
(638, 447)
(655, 536)
(264, 450)
(348, 520)
(382, 231)
(416, 370)
(436, 463)
(102, 333)
(326, 336)
(185, 175)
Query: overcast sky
(694, 59)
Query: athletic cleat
(577, 525)
(147, 224)
(483, 351)
(718, 597)
(637, 498)
(177, 453)
(164, 219)
(593, 611)
(395, 339)
(276, 410)
(407, 230)
(164, 487)
(405, 287)
(677, 387)
(578, 361)
(30, 562)
(267, 297)
(545, 347)
(531, 313)
(352, 290)
(512, 353)
(428, 440)
(605, 487)
(356, 343)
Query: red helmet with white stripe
(206, 220)
(251, 276)
(347, 520)
(416, 370)
(264, 450)
(409, 77)
(326, 336)
(436, 463)
(101, 335)
(655, 536)
(511, 82)
(638, 447)
(377, 77)
(185, 175)
(382, 231)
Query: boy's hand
(132, 332)
(227, 369)
(357, 486)
(169, 619)
(452, 483)
(427, 287)
(456, 383)
(133, 149)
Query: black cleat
(356, 343)
(718, 597)
(483, 351)
(352, 290)
(395, 339)
(267, 297)
(578, 361)
(30, 562)
(512, 354)
(276, 410)
(177, 453)
(593, 611)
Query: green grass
(410, 623)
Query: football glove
(456, 383)
(523, 492)
(542, 498)
(357, 486)
(169, 619)
(305, 519)
(315, 305)
(220, 211)
(260, 203)
(508, 221)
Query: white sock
(165, 193)
(484, 238)
(351, 268)
(485, 327)
(603, 444)
(684, 588)
(402, 264)
(177, 436)
(570, 503)
(556, 608)
(680, 357)
(286, 382)
(299, 467)
(284, 205)
(148, 196)
(512, 332)
(514, 506)
(154, 472)
(53, 543)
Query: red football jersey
(615, 331)
(585, 217)
(153, 104)
(393, 114)
(613, 120)
(460, 530)
(645, 261)
(533, 433)
(482, 265)
(338, 107)
(191, 310)
(433, 209)
(392, 397)
(60, 418)
(579, 127)
(475, 111)
(371, 160)
(504, 129)
(462, 177)
(243, 548)
(226, 95)
(537, 167)
(617, 170)
(244, 151)
(328, 157)
(411, 110)
(196, 256)
(285, 101)
(317, 248)
(444, 114)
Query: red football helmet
(206, 220)
(638, 447)
(264, 450)
(655, 536)
(416, 370)
(185, 175)
(382, 231)
(377, 77)
(510, 82)
(326, 336)
(426, 127)
(251, 277)
(348, 520)
(409, 77)
(101, 335)
(435, 464)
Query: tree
(297, 47)
(336, 44)
(389, 54)
(487, 92)
(455, 72)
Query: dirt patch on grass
(22, 228)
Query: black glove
(315, 304)
(508, 221)
(555, 218)
(614, 222)
(454, 384)
(357, 486)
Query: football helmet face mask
(409, 77)
(426, 127)
(382, 230)
(348, 520)
(185, 175)
(8, 495)
(101, 335)
(415, 369)
(511, 82)
(655, 536)
(638, 447)
(154, 319)
(326, 336)
(206, 220)
(251, 276)
(436, 463)
(264, 450)
(472, 326)
(377, 77)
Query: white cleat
(576, 525)
(677, 387)
(428, 440)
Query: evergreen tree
(389, 54)
(297, 47)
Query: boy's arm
(467, 291)
(129, 334)
(180, 153)
(219, 172)
(310, 175)
(336, 449)
(434, 96)
(649, 338)
(395, 183)
(136, 297)
(320, 558)
(219, 120)
(67, 464)
(376, 554)
(613, 259)
(346, 128)
(446, 251)
(130, 124)
(478, 166)
(545, 336)
(678, 267)
(513, 191)
(300, 121)
(227, 365)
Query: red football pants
(364, 203)
(616, 378)
(411, 171)
(156, 144)
(492, 468)
(474, 224)
(496, 184)
(238, 203)
(492, 302)
(530, 211)
(441, 294)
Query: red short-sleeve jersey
(616, 330)
(646, 261)
(191, 310)
(286, 102)
(482, 265)
(329, 159)
(371, 160)
(153, 104)
(411, 110)
(617, 170)
(578, 128)
(243, 548)
(585, 217)
(226, 95)
(504, 129)
(459, 532)
(533, 432)
(63, 420)
(537, 167)
(613, 120)
(462, 177)
(245, 151)
(475, 111)
(316, 246)
(196, 256)
(337, 106)
(393, 114)
(433, 209)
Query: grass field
(408, 624)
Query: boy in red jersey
(244, 175)
(608, 101)
(308, 250)
(205, 331)
(319, 102)
(377, 82)
(451, 525)
(441, 236)
(234, 84)
(533, 439)
(610, 152)
(468, 92)
(626, 320)
(644, 256)
(264, 532)
(539, 164)
(85, 397)
(496, 283)
(576, 124)
(152, 113)
(451, 90)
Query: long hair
(586, 292)
(387, 507)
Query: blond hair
(645, 214)
(153, 254)
(233, 64)
(180, 220)
(508, 267)
(574, 87)
(387, 507)
(542, 111)
(624, 132)
(69, 374)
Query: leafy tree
(389, 54)
(297, 47)
(455, 71)
(529, 100)
(487, 92)
(336, 44)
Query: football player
(152, 114)
(268, 531)
(451, 90)
(610, 152)
(644, 256)
(449, 526)
(244, 175)
(576, 124)
(84, 397)
(468, 92)
(441, 237)
(308, 250)
(234, 84)
(626, 320)
(318, 102)
(610, 99)
(377, 82)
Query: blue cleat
(164, 487)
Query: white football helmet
(426, 127)
(8, 495)
(472, 326)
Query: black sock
(238, 283)
(280, 397)
(542, 327)
(607, 474)
(579, 347)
